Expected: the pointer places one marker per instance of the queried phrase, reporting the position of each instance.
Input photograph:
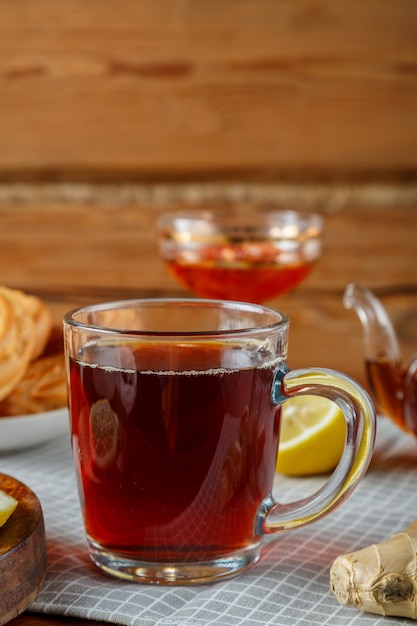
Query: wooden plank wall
(73, 253)
(145, 89)
(112, 111)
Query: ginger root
(381, 578)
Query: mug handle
(360, 417)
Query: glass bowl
(245, 257)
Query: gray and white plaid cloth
(290, 584)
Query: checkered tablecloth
(290, 584)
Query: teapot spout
(380, 341)
(383, 363)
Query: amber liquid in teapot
(393, 385)
(387, 388)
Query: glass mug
(175, 420)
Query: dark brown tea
(175, 448)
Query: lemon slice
(7, 506)
(105, 431)
(313, 433)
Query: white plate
(25, 431)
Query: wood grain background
(112, 111)
(178, 88)
(73, 253)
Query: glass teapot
(392, 383)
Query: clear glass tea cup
(175, 411)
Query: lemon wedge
(313, 433)
(7, 506)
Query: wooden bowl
(23, 560)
